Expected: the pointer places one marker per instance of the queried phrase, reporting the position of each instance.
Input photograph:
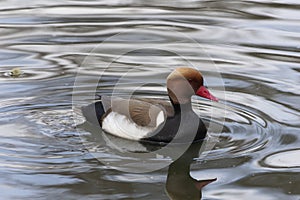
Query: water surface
(253, 45)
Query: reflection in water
(180, 185)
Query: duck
(155, 120)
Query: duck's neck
(180, 104)
(181, 107)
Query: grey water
(70, 51)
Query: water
(46, 154)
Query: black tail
(93, 112)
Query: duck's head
(184, 82)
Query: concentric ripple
(283, 159)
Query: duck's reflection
(180, 185)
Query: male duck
(151, 119)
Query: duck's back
(143, 112)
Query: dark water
(45, 150)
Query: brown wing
(167, 106)
(141, 112)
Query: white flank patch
(119, 125)
(160, 118)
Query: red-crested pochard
(151, 119)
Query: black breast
(181, 125)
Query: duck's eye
(190, 80)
